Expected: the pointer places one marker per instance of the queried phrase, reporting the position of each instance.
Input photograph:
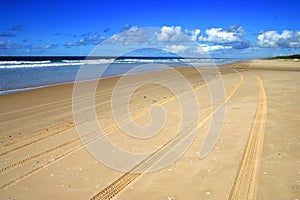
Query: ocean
(18, 74)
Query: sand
(256, 155)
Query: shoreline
(14, 91)
(254, 64)
(31, 88)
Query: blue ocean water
(22, 75)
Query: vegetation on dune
(296, 56)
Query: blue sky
(244, 29)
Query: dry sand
(256, 156)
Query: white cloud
(171, 34)
(5, 44)
(194, 34)
(134, 35)
(88, 40)
(287, 39)
(50, 46)
(236, 29)
(201, 49)
(206, 48)
(176, 48)
(218, 35)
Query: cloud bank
(175, 39)
(214, 39)
(273, 39)
(175, 48)
(171, 34)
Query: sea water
(27, 74)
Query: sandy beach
(256, 155)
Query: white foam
(48, 63)
(22, 62)
(38, 65)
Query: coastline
(41, 148)
(45, 76)
(263, 64)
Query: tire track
(35, 170)
(109, 130)
(38, 132)
(65, 127)
(122, 182)
(245, 182)
(27, 160)
(41, 110)
(66, 101)
(60, 116)
(107, 91)
(69, 125)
